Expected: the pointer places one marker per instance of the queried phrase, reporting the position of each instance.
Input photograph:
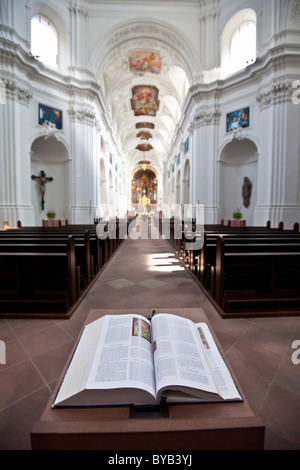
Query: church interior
(150, 160)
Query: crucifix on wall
(42, 179)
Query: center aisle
(145, 273)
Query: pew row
(37, 279)
(46, 271)
(257, 277)
(245, 271)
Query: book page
(78, 370)
(178, 356)
(123, 358)
(224, 382)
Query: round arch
(178, 188)
(40, 8)
(146, 29)
(144, 186)
(165, 83)
(140, 167)
(103, 190)
(186, 183)
(111, 197)
(238, 19)
(51, 156)
(238, 159)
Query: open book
(128, 360)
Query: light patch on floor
(164, 262)
(151, 283)
(120, 283)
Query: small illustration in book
(141, 328)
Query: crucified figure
(43, 179)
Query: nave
(145, 273)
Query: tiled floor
(144, 273)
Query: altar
(51, 223)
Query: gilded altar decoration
(144, 200)
(144, 187)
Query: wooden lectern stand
(187, 427)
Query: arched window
(243, 46)
(44, 41)
(238, 42)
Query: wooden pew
(200, 261)
(101, 249)
(259, 277)
(83, 257)
(248, 296)
(37, 278)
(79, 230)
(207, 256)
(28, 250)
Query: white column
(84, 172)
(204, 133)
(15, 195)
(279, 166)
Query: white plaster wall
(275, 121)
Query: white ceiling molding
(113, 72)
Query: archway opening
(103, 207)
(50, 156)
(186, 183)
(144, 189)
(44, 41)
(238, 160)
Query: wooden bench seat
(258, 277)
(84, 258)
(206, 258)
(197, 260)
(101, 249)
(33, 263)
(39, 278)
(260, 270)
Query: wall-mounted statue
(246, 191)
(42, 179)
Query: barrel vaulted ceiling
(145, 72)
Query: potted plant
(51, 215)
(237, 219)
(237, 214)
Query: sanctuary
(149, 162)
(185, 99)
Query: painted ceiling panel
(145, 86)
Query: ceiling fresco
(141, 62)
(144, 147)
(147, 125)
(144, 135)
(144, 100)
(145, 84)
